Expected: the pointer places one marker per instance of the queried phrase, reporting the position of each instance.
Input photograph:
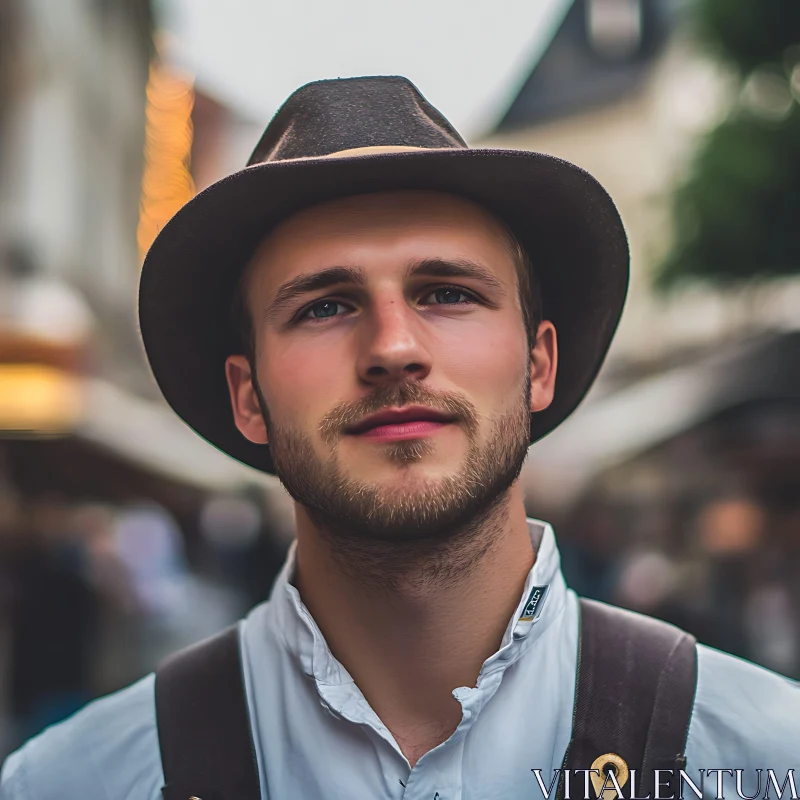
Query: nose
(391, 348)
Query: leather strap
(634, 696)
(204, 731)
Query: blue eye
(328, 308)
(445, 295)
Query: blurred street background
(674, 489)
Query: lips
(400, 415)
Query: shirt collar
(542, 601)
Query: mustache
(396, 396)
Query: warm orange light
(38, 399)
(167, 181)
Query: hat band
(362, 151)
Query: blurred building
(624, 92)
(71, 144)
(73, 137)
(91, 126)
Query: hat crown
(329, 116)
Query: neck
(411, 622)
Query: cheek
(489, 362)
(302, 381)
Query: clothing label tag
(533, 608)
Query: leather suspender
(204, 732)
(634, 697)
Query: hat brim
(561, 215)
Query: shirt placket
(437, 775)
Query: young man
(408, 316)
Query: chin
(408, 475)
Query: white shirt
(317, 737)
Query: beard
(393, 527)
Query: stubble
(429, 531)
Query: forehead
(386, 227)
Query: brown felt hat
(353, 136)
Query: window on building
(614, 27)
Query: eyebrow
(312, 282)
(333, 276)
(456, 268)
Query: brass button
(610, 762)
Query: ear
(244, 401)
(544, 360)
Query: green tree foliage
(737, 214)
(749, 33)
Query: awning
(611, 429)
(149, 434)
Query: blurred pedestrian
(52, 619)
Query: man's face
(379, 303)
